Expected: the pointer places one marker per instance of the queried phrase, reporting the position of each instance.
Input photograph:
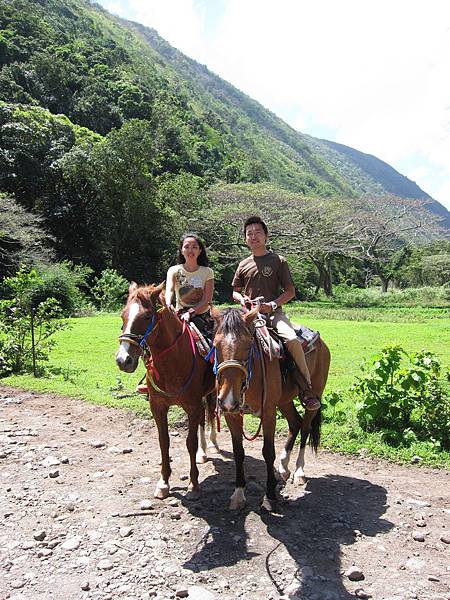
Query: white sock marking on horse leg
(237, 500)
(162, 490)
(201, 452)
(299, 475)
(266, 504)
(283, 467)
(212, 437)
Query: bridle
(140, 341)
(246, 366)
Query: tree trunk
(384, 284)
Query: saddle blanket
(274, 347)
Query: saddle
(274, 347)
(201, 330)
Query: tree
(23, 239)
(385, 224)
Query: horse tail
(210, 407)
(314, 436)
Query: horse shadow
(307, 533)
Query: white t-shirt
(189, 286)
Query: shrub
(407, 402)
(110, 290)
(16, 353)
(15, 324)
(62, 281)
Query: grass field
(83, 364)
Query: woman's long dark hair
(202, 259)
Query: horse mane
(232, 322)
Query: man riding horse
(265, 276)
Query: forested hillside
(112, 142)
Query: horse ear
(157, 294)
(215, 314)
(133, 286)
(250, 315)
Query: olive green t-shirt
(266, 276)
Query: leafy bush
(64, 282)
(110, 290)
(407, 402)
(15, 324)
(16, 353)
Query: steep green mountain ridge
(141, 126)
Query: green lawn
(82, 364)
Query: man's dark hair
(255, 220)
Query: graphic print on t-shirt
(191, 289)
(267, 271)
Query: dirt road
(78, 518)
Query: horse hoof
(213, 448)
(193, 493)
(161, 492)
(201, 458)
(237, 500)
(284, 474)
(299, 480)
(267, 504)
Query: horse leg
(307, 421)
(289, 411)
(211, 407)
(201, 456)
(194, 418)
(270, 497)
(319, 363)
(234, 422)
(208, 419)
(160, 415)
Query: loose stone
(445, 538)
(354, 573)
(53, 474)
(125, 531)
(98, 444)
(40, 535)
(418, 536)
(50, 461)
(182, 592)
(85, 586)
(17, 584)
(146, 505)
(198, 593)
(71, 543)
(105, 565)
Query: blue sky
(372, 74)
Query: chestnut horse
(176, 373)
(246, 376)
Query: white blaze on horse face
(124, 348)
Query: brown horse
(176, 373)
(247, 378)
